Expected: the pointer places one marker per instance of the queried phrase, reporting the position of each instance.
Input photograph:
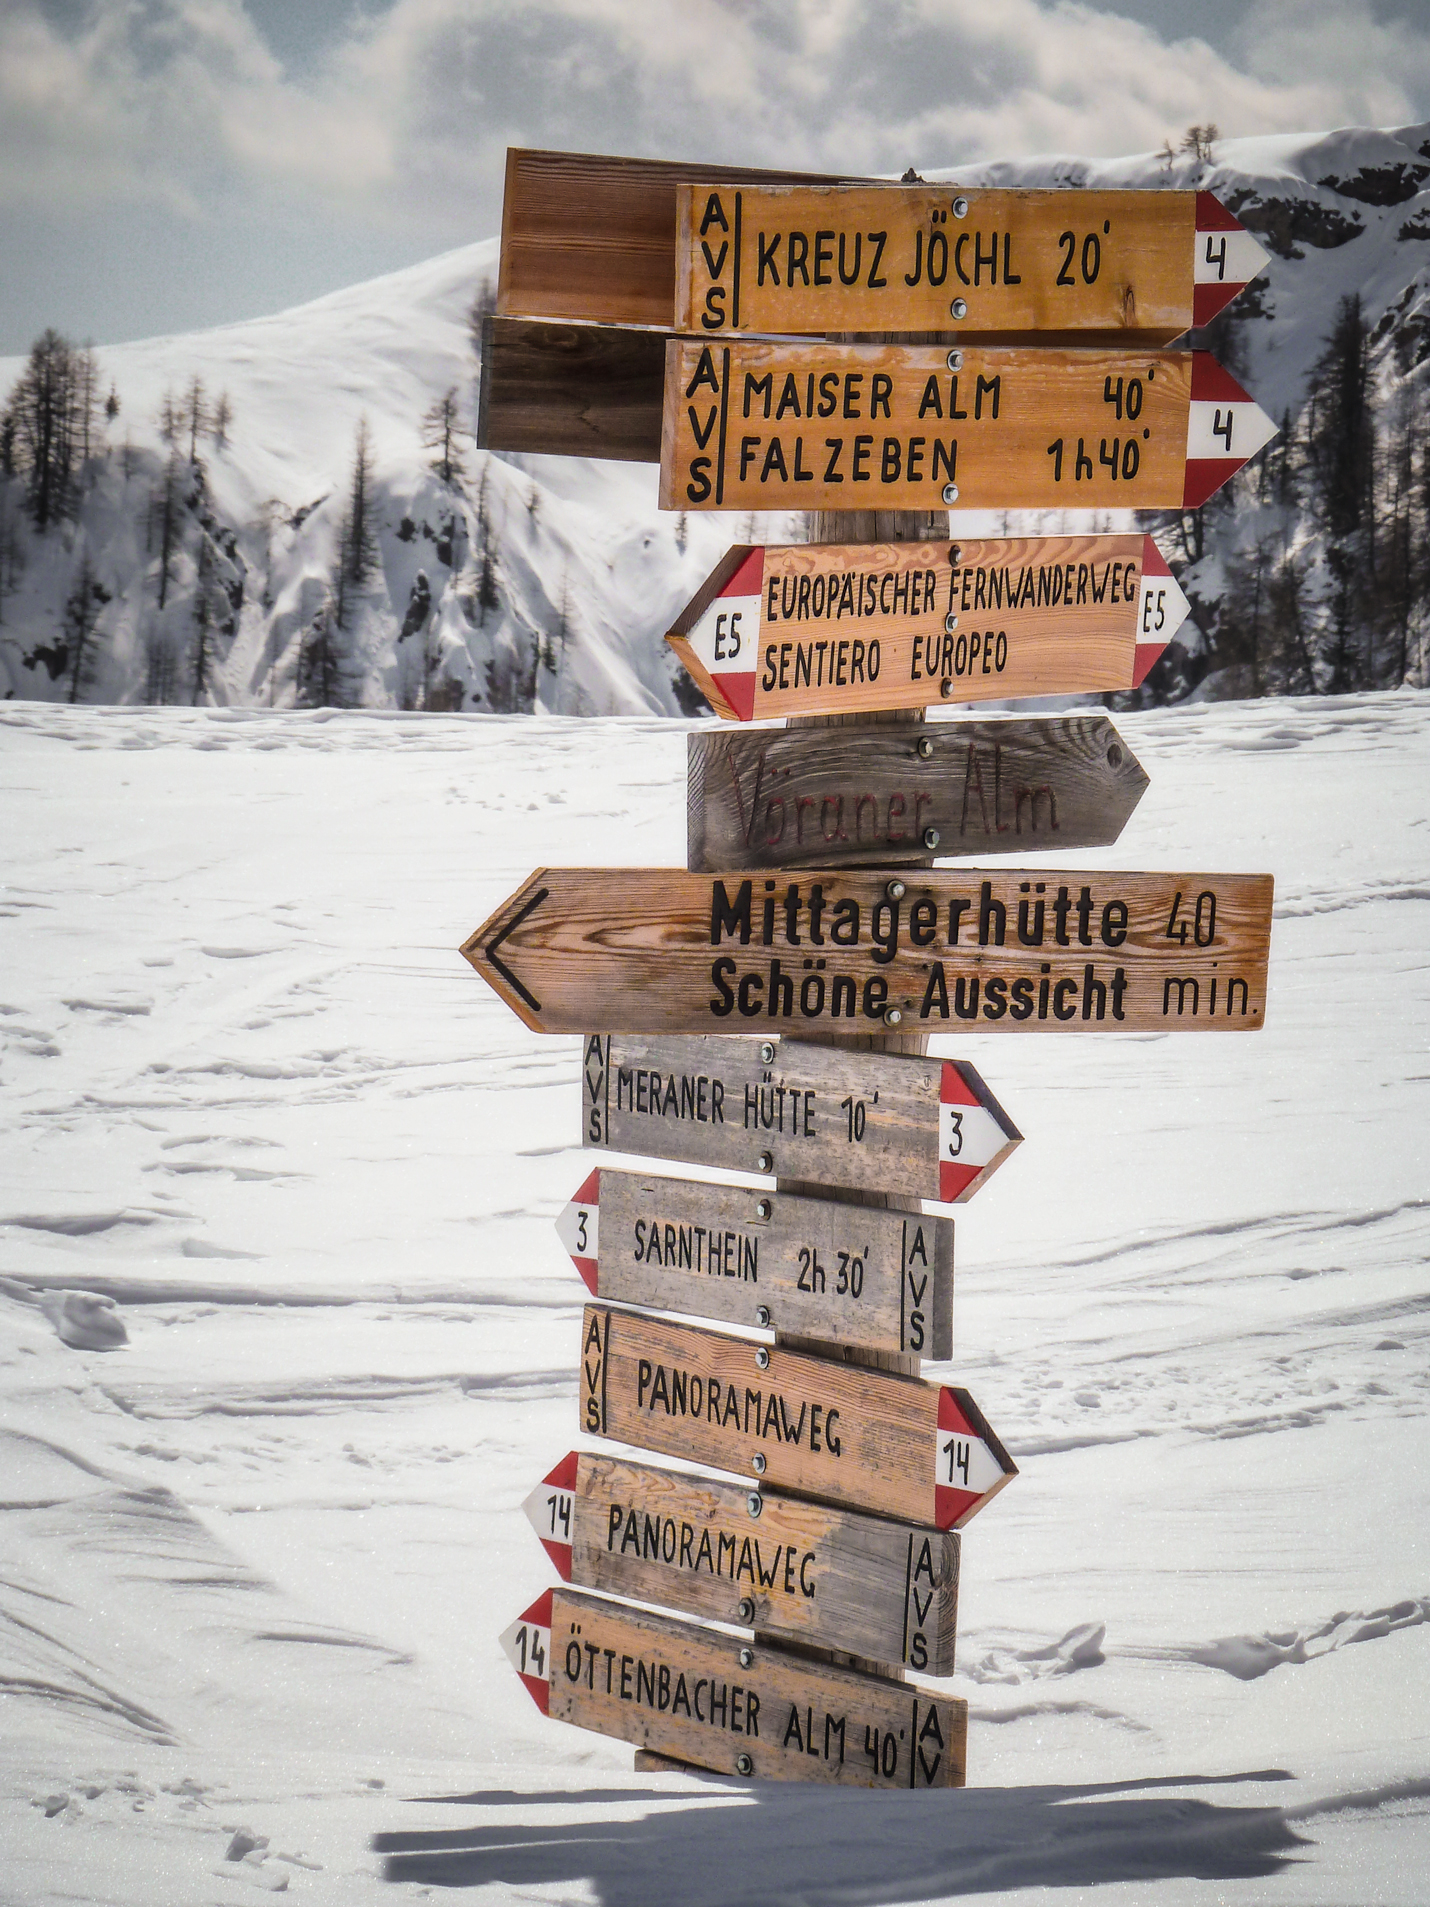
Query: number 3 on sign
(954, 1120)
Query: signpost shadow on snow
(777, 1842)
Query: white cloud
(179, 103)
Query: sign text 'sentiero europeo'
(825, 629)
(846, 952)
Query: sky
(172, 164)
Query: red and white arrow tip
(528, 1647)
(970, 1465)
(1225, 259)
(578, 1226)
(1225, 428)
(975, 1135)
(725, 638)
(1161, 611)
(550, 1510)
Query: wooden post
(867, 526)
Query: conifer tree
(82, 608)
(442, 428)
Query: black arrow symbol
(502, 968)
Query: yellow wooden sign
(812, 628)
(749, 425)
(809, 258)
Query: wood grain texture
(881, 257)
(873, 1440)
(663, 951)
(717, 1101)
(819, 629)
(851, 797)
(590, 237)
(642, 1678)
(567, 390)
(844, 437)
(800, 1571)
(816, 1266)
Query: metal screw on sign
(767, 1051)
(950, 493)
(765, 1162)
(744, 1765)
(763, 1208)
(747, 1658)
(945, 688)
(930, 837)
(955, 552)
(959, 308)
(896, 890)
(955, 360)
(893, 1016)
(925, 749)
(960, 208)
(762, 1358)
(950, 621)
(758, 1460)
(746, 1609)
(754, 1503)
(762, 1317)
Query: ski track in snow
(286, 1336)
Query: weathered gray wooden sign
(901, 796)
(880, 1122)
(818, 1268)
(736, 1707)
(806, 1571)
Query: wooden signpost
(715, 1702)
(874, 1439)
(825, 1115)
(803, 1571)
(809, 629)
(900, 795)
(809, 909)
(1027, 950)
(752, 425)
(822, 1268)
(931, 257)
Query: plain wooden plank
(885, 257)
(848, 1274)
(711, 1700)
(825, 629)
(873, 1440)
(662, 951)
(591, 237)
(844, 797)
(566, 390)
(822, 1115)
(800, 1571)
(845, 439)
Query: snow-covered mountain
(549, 582)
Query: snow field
(257, 1557)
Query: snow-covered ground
(254, 1561)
